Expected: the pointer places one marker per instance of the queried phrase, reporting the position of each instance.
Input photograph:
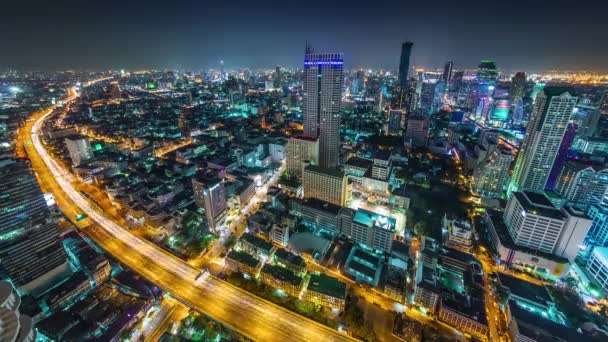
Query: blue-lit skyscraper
(323, 78)
(404, 63)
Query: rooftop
(538, 204)
(359, 162)
(281, 273)
(540, 328)
(244, 258)
(258, 242)
(467, 306)
(327, 285)
(524, 289)
(325, 171)
(371, 219)
(283, 254)
(322, 205)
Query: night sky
(89, 34)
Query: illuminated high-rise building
(210, 194)
(277, 78)
(447, 72)
(404, 63)
(544, 134)
(79, 148)
(30, 250)
(487, 72)
(518, 86)
(323, 78)
(300, 150)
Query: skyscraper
(80, 149)
(323, 78)
(404, 63)
(544, 134)
(30, 250)
(447, 72)
(277, 78)
(210, 194)
(518, 86)
(486, 72)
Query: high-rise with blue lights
(323, 78)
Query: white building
(277, 150)
(210, 194)
(417, 131)
(544, 133)
(534, 222)
(300, 149)
(581, 184)
(279, 234)
(597, 266)
(79, 148)
(327, 184)
(492, 170)
(373, 230)
(460, 233)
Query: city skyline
(194, 36)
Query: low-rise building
(256, 246)
(364, 266)
(460, 234)
(290, 261)
(243, 262)
(373, 230)
(466, 314)
(282, 279)
(327, 184)
(326, 291)
(279, 234)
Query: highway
(247, 314)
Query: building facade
(544, 133)
(327, 184)
(323, 79)
(30, 248)
(300, 149)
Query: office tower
(30, 250)
(323, 78)
(492, 172)
(299, 150)
(14, 326)
(277, 78)
(417, 132)
(562, 155)
(533, 222)
(210, 194)
(327, 184)
(518, 86)
(358, 83)
(447, 73)
(486, 72)
(373, 230)
(394, 122)
(544, 134)
(404, 63)
(583, 184)
(79, 148)
(457, 81)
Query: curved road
(249, 315)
